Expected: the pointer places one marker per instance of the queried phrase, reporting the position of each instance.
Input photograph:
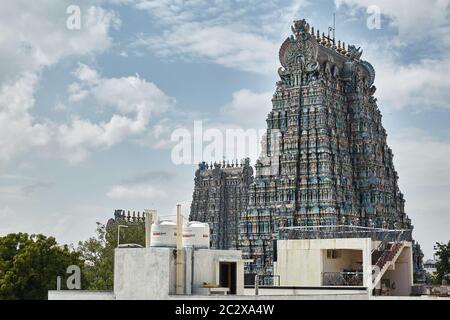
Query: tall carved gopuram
(325, 158)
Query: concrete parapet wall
(144, 273)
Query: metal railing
(343, 279)
(343, 231)
(386, 255)
(400, 236)
(269, 280)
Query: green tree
(443, 262)
(30, 264)
(97, 253)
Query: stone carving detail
(355, 54)
(300, 51)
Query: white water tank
(196, 235)
(164, 234)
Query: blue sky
(86, 115)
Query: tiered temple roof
(326, 161)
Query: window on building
(333, 254)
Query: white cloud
(423, 158)
(60, 107)
(6, 212)
(134, 99)
(33, 35)
(416, 21)
(19, 131)
(85, 74)
(419, 86)
(218, 44)
(235, 134)
(14, 187)
(159, 135)
(243, 35)
(136, 191)
(249, 109)
(412, 67)
(252, 15)
(422, 162)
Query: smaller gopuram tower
(220, 195)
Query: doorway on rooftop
(227, 276)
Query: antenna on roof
(332, 29)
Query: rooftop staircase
(385, 257)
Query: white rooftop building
(331, 262)
(346, 256)
(430, 266)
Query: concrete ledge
(308, 292)
(410, 298)
(80, 295)
(335, 288)
(275, 297)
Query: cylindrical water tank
(164, 234)
(196, 235)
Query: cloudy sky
(86, 115)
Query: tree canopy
(443, 262)
(30, 264)
(97, 253)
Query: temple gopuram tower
(326, 160)
(220, 196)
